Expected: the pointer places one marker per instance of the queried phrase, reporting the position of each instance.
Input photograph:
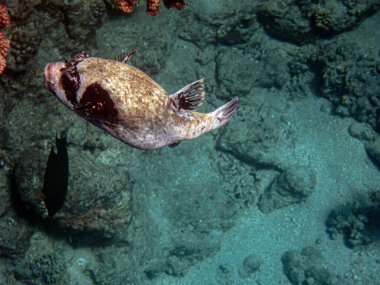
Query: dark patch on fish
(70, 76)
(56, 177)
(97, 105)
(70, 82)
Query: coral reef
(26, 34)
(82, 20)
(305, 21)
(25, 41)
(4, 42)
(322, 20)
(68, 25)
(356, 224)
(350, 79)
(152, 6)
(47, 269)
(43, 263)
(156, 215)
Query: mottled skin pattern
(147, 116)
(146, 119)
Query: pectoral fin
(174, 144)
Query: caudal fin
(224, 113)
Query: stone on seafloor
(292, 186)
(250, 266)
(306, 267)
(97, 205)
(373, 150)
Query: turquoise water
(286, 193)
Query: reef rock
(355, 223)
(152, 51)
(44, 263)
(224, 22)
(305, 21)
(258, 145)
(292, 186)
(95, 210)
(15, 233)
(373, 149)
(250, 266)
(350, 79)
(306, 267)
(265, 71)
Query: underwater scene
(206, 142)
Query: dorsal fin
(189, 97)
(125, 56)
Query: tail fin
(223, 114)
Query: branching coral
(4, 42)
(152, 6)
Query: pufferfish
(128, 104)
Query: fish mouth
(47, 77)
(52, 74)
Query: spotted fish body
(131, 106)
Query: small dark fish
(56, 177)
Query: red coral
(178, 4)
(3, 64)
(5, 21)
(152, 6)
(125, 6)
(4, 43)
